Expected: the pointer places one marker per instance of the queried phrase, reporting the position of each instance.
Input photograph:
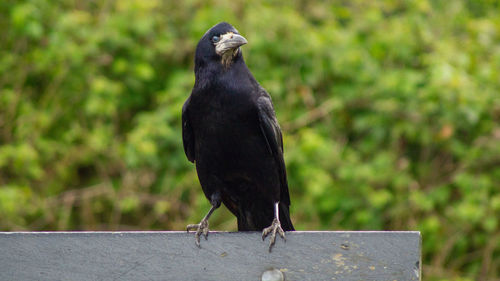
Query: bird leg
(202, 227)
(275, 227)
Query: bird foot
(275, 227)
(201, 228)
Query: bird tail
(258, 219)
(286, 222)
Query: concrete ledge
(332, 255)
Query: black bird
(230, 131)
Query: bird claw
(201, 229)
(275, 227)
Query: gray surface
(225, 256)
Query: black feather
(231, 133)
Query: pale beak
(229, 41)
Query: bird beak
(229, 41)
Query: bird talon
(197, 240)
(282, 233)
(275, 227)
(266, 232)
(191, 227)
(201, 229)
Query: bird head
(220, 44)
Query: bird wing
(274, 140)
(187, 132)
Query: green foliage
(390, 112)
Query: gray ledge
(172, 255)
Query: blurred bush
(390, 111)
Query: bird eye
(215, 39)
